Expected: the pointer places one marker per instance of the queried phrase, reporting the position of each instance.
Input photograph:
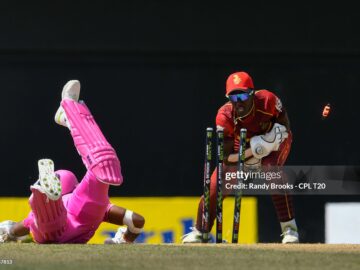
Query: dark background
(153, 74)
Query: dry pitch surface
(168, 256)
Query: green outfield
(209, 257)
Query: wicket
(238, 194)
(219, 178)
(219, 174)
(207, 165)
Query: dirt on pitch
(171, 256)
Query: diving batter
(64, 210)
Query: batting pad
(50, 217)
(96, 153)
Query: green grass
(219, 257)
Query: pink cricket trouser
(75, 217)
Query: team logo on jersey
(236, 79)
(278, 104)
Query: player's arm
(19, 229)
(263, 145)
(283, 119)
(14, 231)
(229, 156)
(226, 123)
(121, 216)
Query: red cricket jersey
(263, 114)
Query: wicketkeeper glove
(263, 145)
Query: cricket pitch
(174, 256)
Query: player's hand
(263, 145)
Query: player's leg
(88, 202)
(68, 183)
(85, 205)
(283, 203)
(121, 216)
(48, 219)
(97, 154)
(195, 236)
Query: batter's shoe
(290, 236)
(71, 90)
(48, 183)
(194, 236)
(118, 238)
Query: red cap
(238, 81)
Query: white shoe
(71, 90)
(290, 236)
(118, 238)
(5, 235)
(194, 236)
(48, 183)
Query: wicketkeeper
(64, 210)
(268, 140)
